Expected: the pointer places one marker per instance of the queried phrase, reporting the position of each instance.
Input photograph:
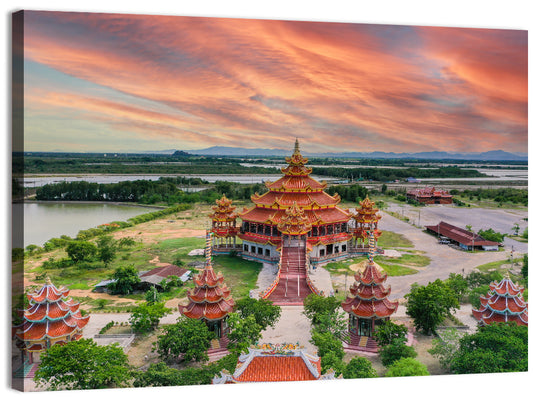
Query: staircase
(218, 349)
(360, 343)
(292, 287)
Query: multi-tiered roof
(294, 222)
(295, 187)
(368, 297)
(51, 318)
(211, 299)
(367, 218)
(223, 218)
(503, 303)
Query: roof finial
(296, 147)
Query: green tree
(396, 350)
(266, 314)
(326, 342)
(389, 332)
(491, 235)
(146, 316)
(429, 305)
(524, 268)
(468, 227)
(126, 279)
(81, 250)
(83, 364)
(445, 347)
(107, 249)
(457, 284)
(244, 332)
(188, 337)
(406, 367)
(524, 233)
(330, 361)
(516, 229)
(496, 348)
(152, 295)
(359, 367)
(315, 305)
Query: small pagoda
(50, 319)
(367, 304)
(211, 299)
(223, 226)
(503, 303)
(366, 219)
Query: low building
(165, 272)
(274, 363)
(465, 239)
(430, 195)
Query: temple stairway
(358, 342)
(292, 287)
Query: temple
(211, 299)
(275, 362)
(367, 304)
(325, 232)
(50, 319)
(295, 225)
(429, 195)
(503, 303)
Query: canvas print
(202, 200)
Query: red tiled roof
(49, 315)
(503, 302)
(460, 235)
(210, 299)
(166, 271)
(276, 368)
(368, 296)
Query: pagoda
(211, 299)
(224, 226)
(367, 304)
(327, 237)
(503, 303)
(50, 319)
(366, 219)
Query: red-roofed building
(429, 195)
(328, 236)
(465, 239)
(211, 299)
(274, 363)
(367, 304)
(50, 319)
(503, 303)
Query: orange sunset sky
(126, 83)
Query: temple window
(267, 252)
(344, 248)
(259, 251)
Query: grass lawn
(406, 260)
(240, 275)
(392, 266)
(518, 238)
(496, 265)
(389, 239)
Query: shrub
(407, 367)
(395, 351)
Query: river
(43, 221)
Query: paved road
(444, 259)
(500, 220)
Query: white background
(466, 13)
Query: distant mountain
(497, 155)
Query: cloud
(212, 81)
